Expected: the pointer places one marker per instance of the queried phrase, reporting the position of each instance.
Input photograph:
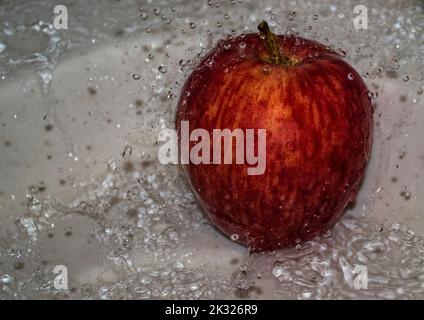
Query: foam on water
(144, 221)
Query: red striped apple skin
(319, 122)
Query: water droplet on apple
(298, 247)
(242, 45)
(227, 46)
(290, 146)
(342, 53)
(266, 68)
(350, 76)
(234, 237)
(352, 196)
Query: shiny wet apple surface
(319, 122)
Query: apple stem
(272, 46)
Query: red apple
(318, 119)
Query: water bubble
(405, 194)
(315, 17)
(395, 65)
(111, 165)
(192, 25)
(234, 237)
(156, 11)
(405, 78)
(3, 123)
(227, 46)
(327, 233)
(130, 195)
(242, 284)
(350, 76)
(280, 272)
(372, 95)
(2, 47)
(68, 231)
(277, 270)
(126, 153)
(226, 16)
(16, 253)
(163, 69)
(136, 76)
(46, 76)
(298, 247)
(6, 279)
(143, 15)
(103, 292)
(86, 289)
(178, 265)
